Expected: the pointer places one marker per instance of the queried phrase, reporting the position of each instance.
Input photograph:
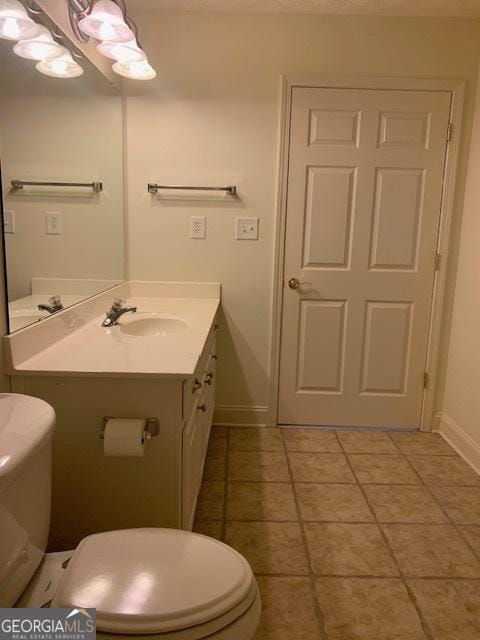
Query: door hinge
(425, 380)
(449, 131)
(438, 261)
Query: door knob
(294, 283)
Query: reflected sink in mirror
(24, 317)
(151, 325)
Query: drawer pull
(202, 407)
(196, 385)
(209, 378)
(215, 357)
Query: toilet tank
(26, 429)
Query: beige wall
(461, 407)
(213, 114)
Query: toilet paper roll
(124, 438)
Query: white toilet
(166, 583)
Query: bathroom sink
(152, 325)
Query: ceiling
(438, 8)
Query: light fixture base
(78, 9)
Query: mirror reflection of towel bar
(19, 184)
(230, 189)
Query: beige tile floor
(352, 535)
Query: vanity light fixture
(106, 22)
(40, 47)
(15, 24)
(35, 42)
(103, 20)
(135, 70)
(122, 51)
(63, 66)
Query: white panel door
(364, 196)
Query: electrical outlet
(246, 229)
(53, 223)
(198, 227)
(9, 221)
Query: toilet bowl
(164, 583)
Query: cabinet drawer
(196, 383)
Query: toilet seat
(157, 581)
(231, 626)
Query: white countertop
(88, 349)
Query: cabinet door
(192, 463)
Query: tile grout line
(446, 514)
(316, 604)
(410, 595)
(394, 443)
(397, 452)
(352, 483)
(225, 494)
(373, 576)
(321, 521)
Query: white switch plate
(53, 223)
(198, 227)
(246, 229)
(9, 221)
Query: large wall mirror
(61, 242)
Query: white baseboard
(436, 419)
(463, 444)
(241, 416)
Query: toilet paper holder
(152, 428)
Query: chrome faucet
(54, 305)
(118, 308)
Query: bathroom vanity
(157, 363)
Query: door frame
(456, 87)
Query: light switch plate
(9, 221)
(198, 227)
(53, 223)
(246, 229)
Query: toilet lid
(153, 580)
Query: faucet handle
(119, 303)
(55, 301)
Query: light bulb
(63, 66)
(122, 51)
(135, 70)
(15, 24)
(106, 22)
(40, 47)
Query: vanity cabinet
(199, 402)
(92, 492)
